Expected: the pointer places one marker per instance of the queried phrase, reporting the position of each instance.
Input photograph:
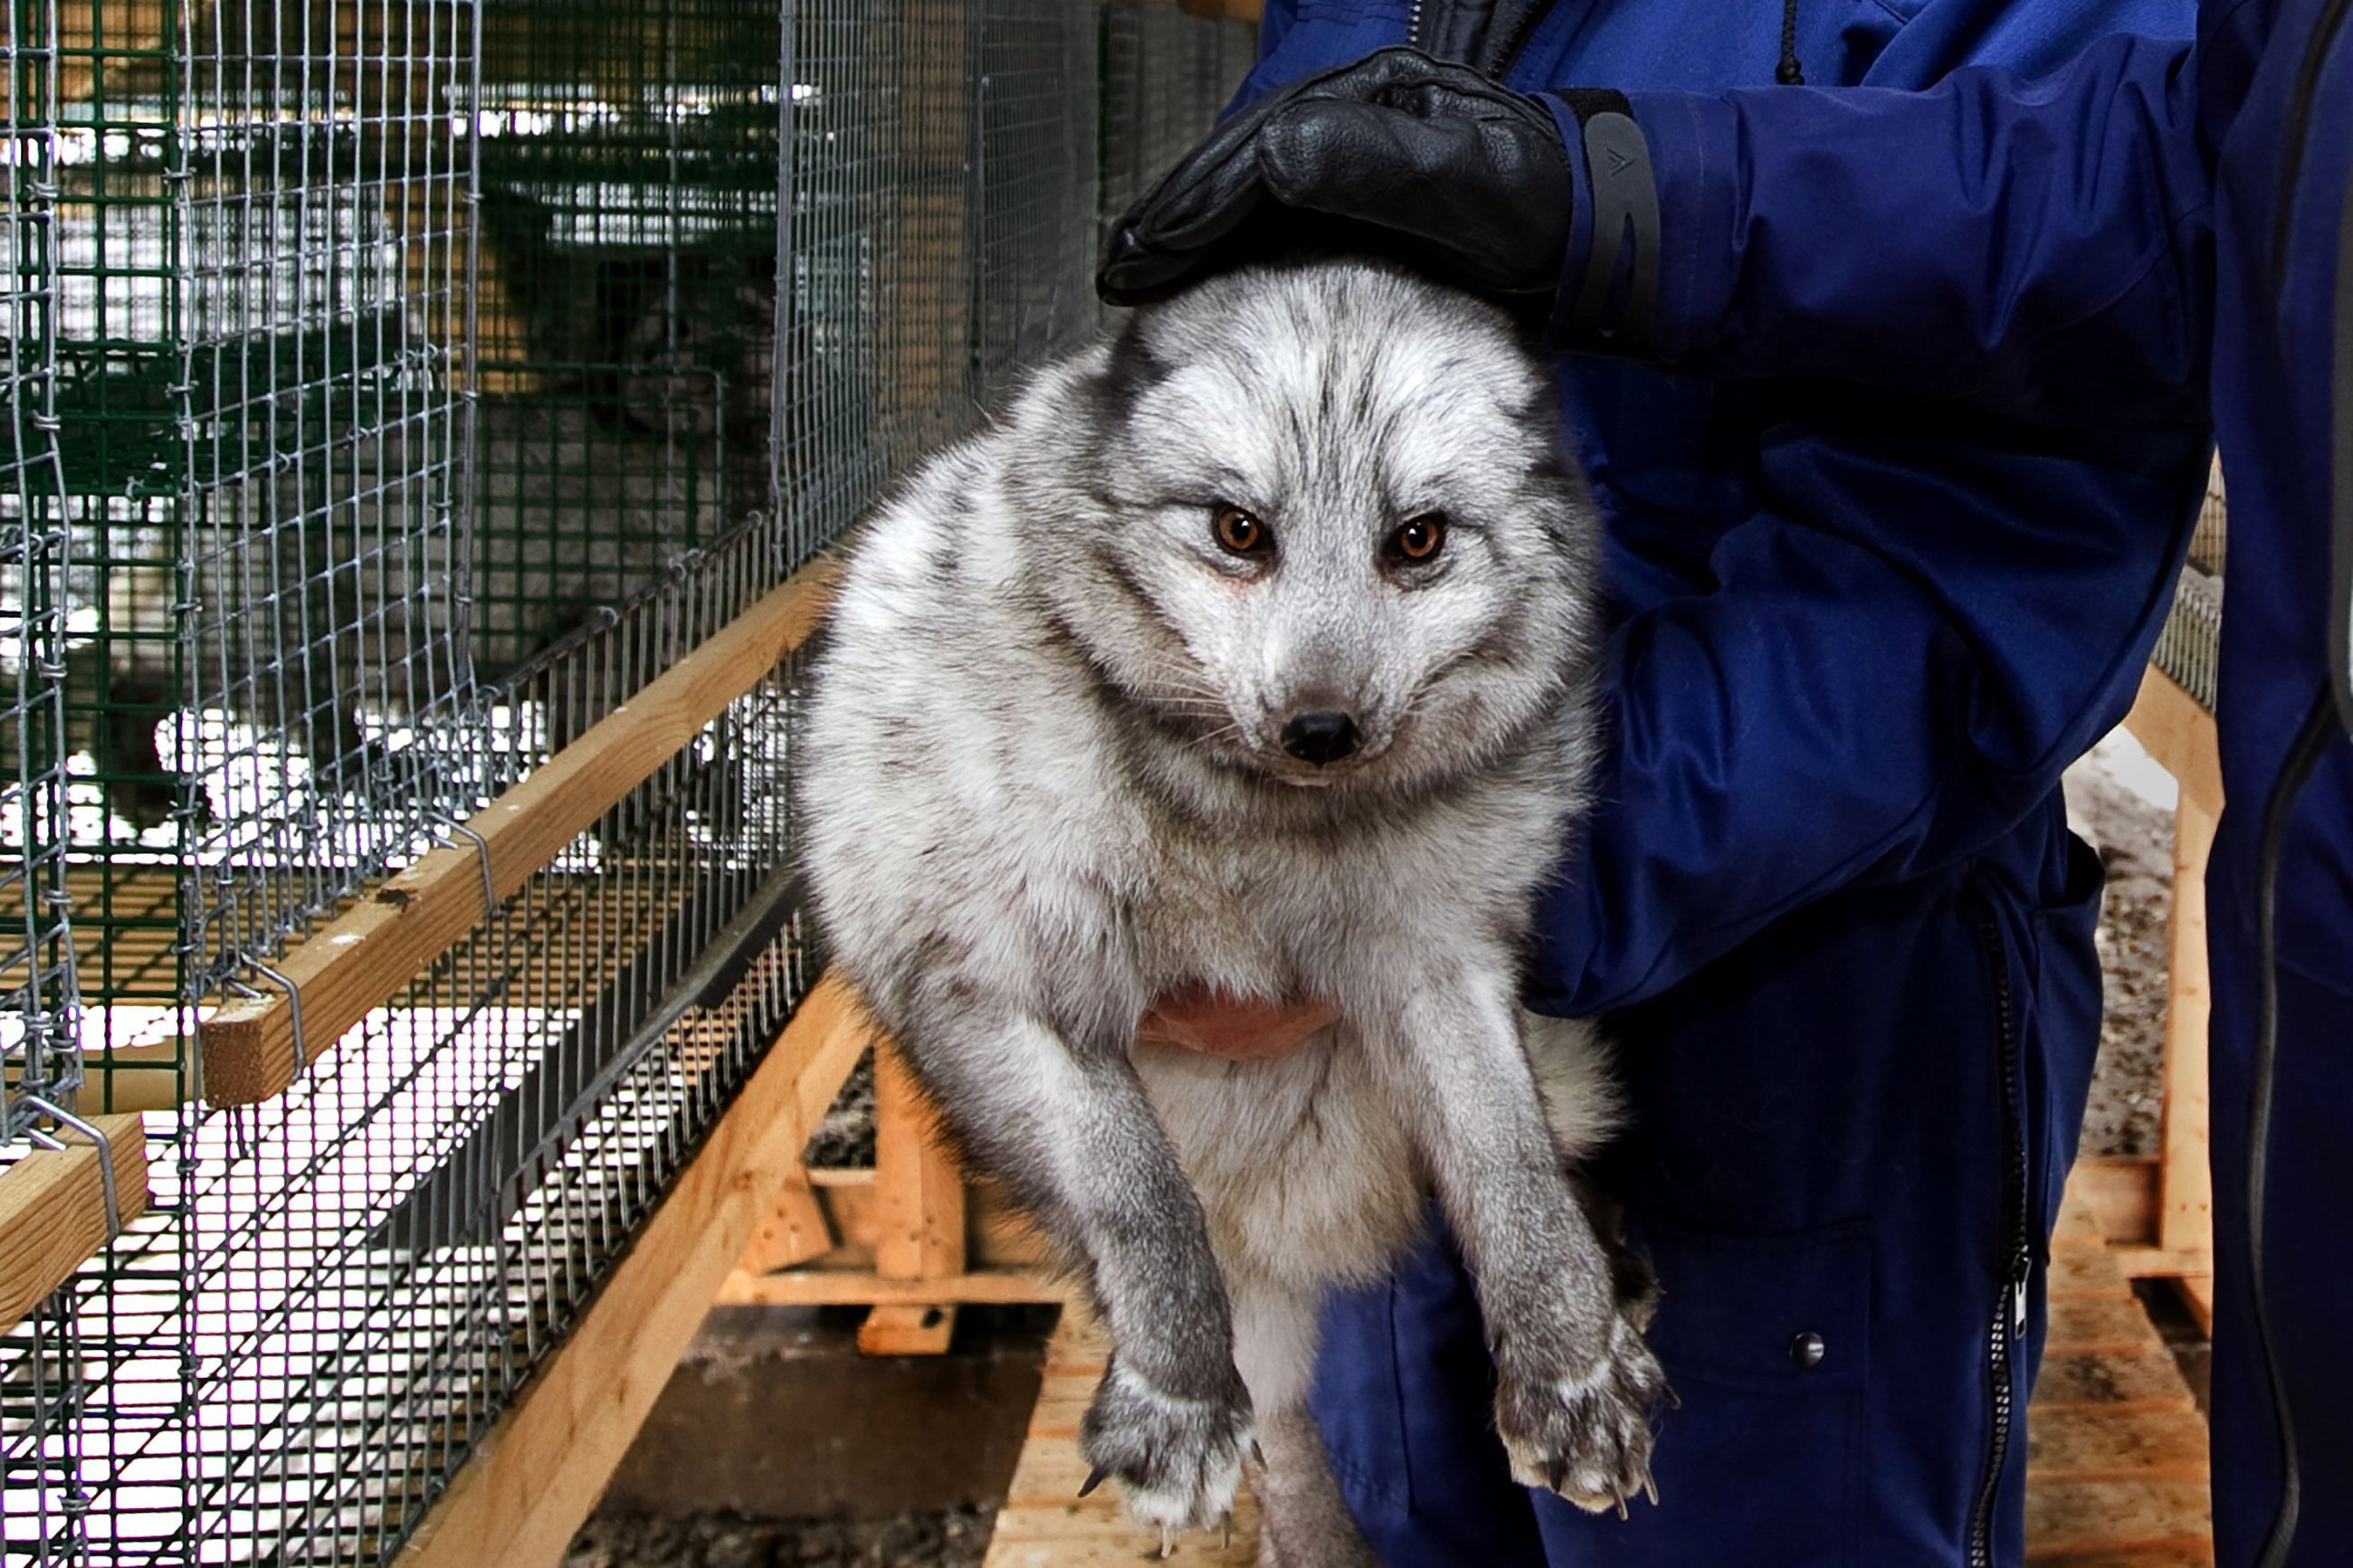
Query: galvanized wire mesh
(1038, 190)
(42, 1385)
(626, 301)
(1166, 75)
(2190, 648)
(426, 380)
(37, 997)
(873, 294)
(263, 294)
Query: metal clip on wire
(91, 1130)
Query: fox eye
(1420, 538)
(1239, 532)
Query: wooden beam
(360, 961)
(53, 1211)
(919, 1198)
(2198, 1295)
(860, 1287)
(908, 1328)
(519, 1500)
(794, 1231)
(2158, 1263)
(2179, 735)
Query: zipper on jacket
(1515, 45)
(2299, 132)
(2007, 1328)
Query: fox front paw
(1178, 1461)
(1585, 1434)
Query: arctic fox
(1253, 650)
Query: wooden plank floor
(2116, 1462)
(2115, 1459)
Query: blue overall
(2148, 236)
(1828, 903)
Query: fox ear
(1131, 371)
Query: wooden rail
(360, 961)
(538, 1473)
(53, 1212)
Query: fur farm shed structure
(425, 419)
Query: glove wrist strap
(1616, 291)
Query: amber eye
(1239, 531)
(1421, 538)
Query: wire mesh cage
(394, 391)
(1166, 75)
(41, 1382)
(624, 313)
(37, 996)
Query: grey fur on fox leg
(1251, 650)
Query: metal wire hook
(482, 856)
(92, 1131)
(293, 1007)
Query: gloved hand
(1464, 176)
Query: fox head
(1314, 522)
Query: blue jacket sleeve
(1934, 615)
(2040, 248)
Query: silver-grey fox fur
(1043, 783)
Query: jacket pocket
(1766, 1344)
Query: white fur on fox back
(1151, 687)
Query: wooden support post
(356, 964)
(2185, 1218)
(919, 1193)
(53, 1211)
(518, 1501)
(794, 1230)
(2179, 733)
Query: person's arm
(1895, 665)
(2041, 248)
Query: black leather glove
(1463, 176)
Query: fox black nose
(1320, 737)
